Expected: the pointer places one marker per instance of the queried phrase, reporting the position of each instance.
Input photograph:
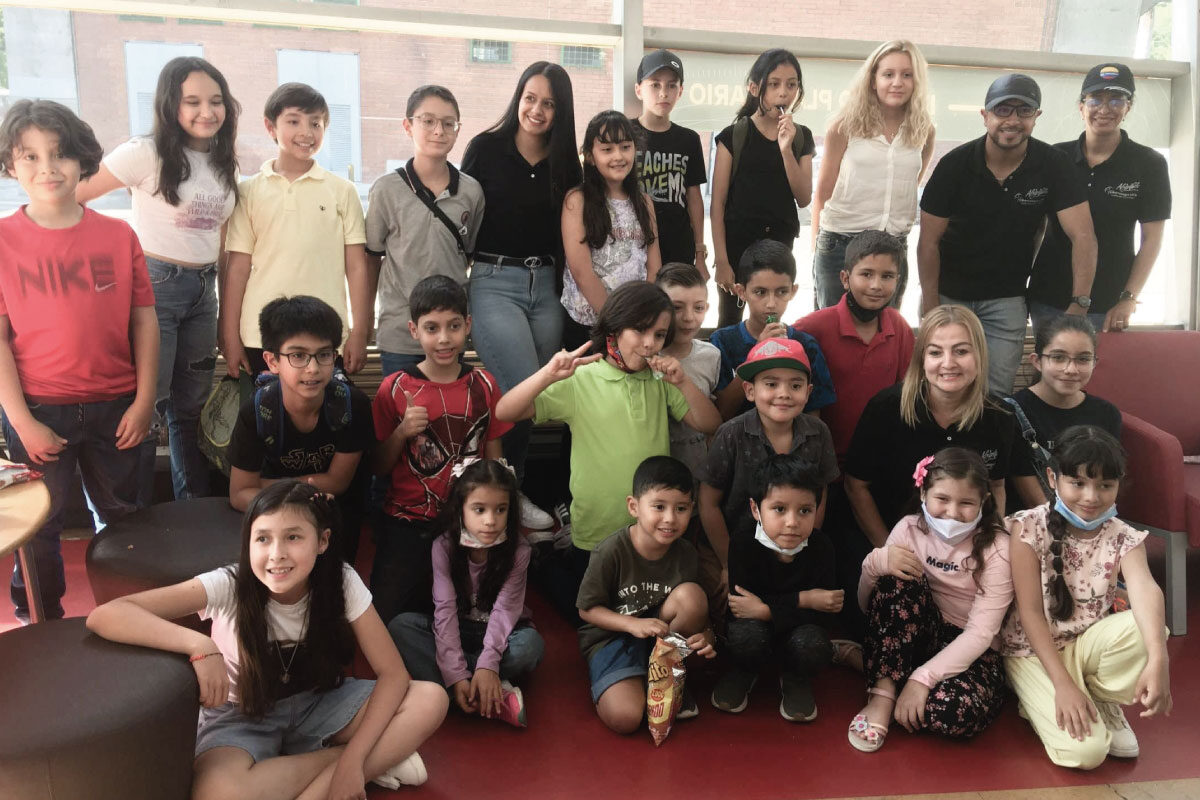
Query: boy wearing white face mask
(936, 594)
(781, 597)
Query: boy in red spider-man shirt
(427, 418)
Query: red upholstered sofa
(1154, 378)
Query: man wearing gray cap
(981, 220)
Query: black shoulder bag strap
(1041, 459)
(426, 197)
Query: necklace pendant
(285, 678)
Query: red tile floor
(566, 752)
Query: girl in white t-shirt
(183, 178)
(285, 622)
(874, 154)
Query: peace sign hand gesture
(563, 364)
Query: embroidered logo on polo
(1124, 191)
(989, 458)
(772, 348)
(1033, 197)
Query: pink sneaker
(512, 705)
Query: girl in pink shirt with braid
(936, 594)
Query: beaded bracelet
(194, 659)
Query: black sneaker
(798, 704)
(687, 705)
(732, 692)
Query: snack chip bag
(664, 684)
(12, 474)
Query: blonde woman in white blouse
(875, 152)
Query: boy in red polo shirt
(867, 344)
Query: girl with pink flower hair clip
(936, 594)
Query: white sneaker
(409, 772)
(1124, 742)
(533, 517)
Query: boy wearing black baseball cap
(670, 161)
(981, 215)
(1128, 188)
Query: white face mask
(951, 531)
(766, 541)
(467, 539)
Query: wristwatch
(1083, 301)
(1127, 295)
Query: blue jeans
(108, 483)
(185, 300)
(1040, 314)
(413, 634)
(829, 259)
(1003, 320)
(395, 362)
(516, 324)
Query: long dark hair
(484, 472)
(762, 68)
(329, 640)
(171, 142)
(1099, 455)
(564, 160)
(610, 127)
(959, 463)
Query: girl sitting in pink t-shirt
(936, 594)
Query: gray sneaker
(1124, 742)
(732, 692)
(798, 703)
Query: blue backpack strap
(268, 411)
(339, 410)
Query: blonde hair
(860, 116)
(971, 409)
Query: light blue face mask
(1078, 521)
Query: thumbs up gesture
(416, 417)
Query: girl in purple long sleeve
(480, 637)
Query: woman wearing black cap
(1127, 184)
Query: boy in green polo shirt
(616, 402)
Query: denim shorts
(302, 723)
(623, 657)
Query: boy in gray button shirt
(408, 240)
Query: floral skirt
(906, 629)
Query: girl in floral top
(1071, 661)
(608, 226)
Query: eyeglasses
(1062, 359)
(1115, 103)
(299, 359)
(430, 123)
(1023, 111)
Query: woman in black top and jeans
(763, 170)
(526, 162)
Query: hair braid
(1063, 604)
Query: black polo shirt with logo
(884, 450)
(988, 247)
(1130, 186)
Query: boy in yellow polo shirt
(301, 228)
